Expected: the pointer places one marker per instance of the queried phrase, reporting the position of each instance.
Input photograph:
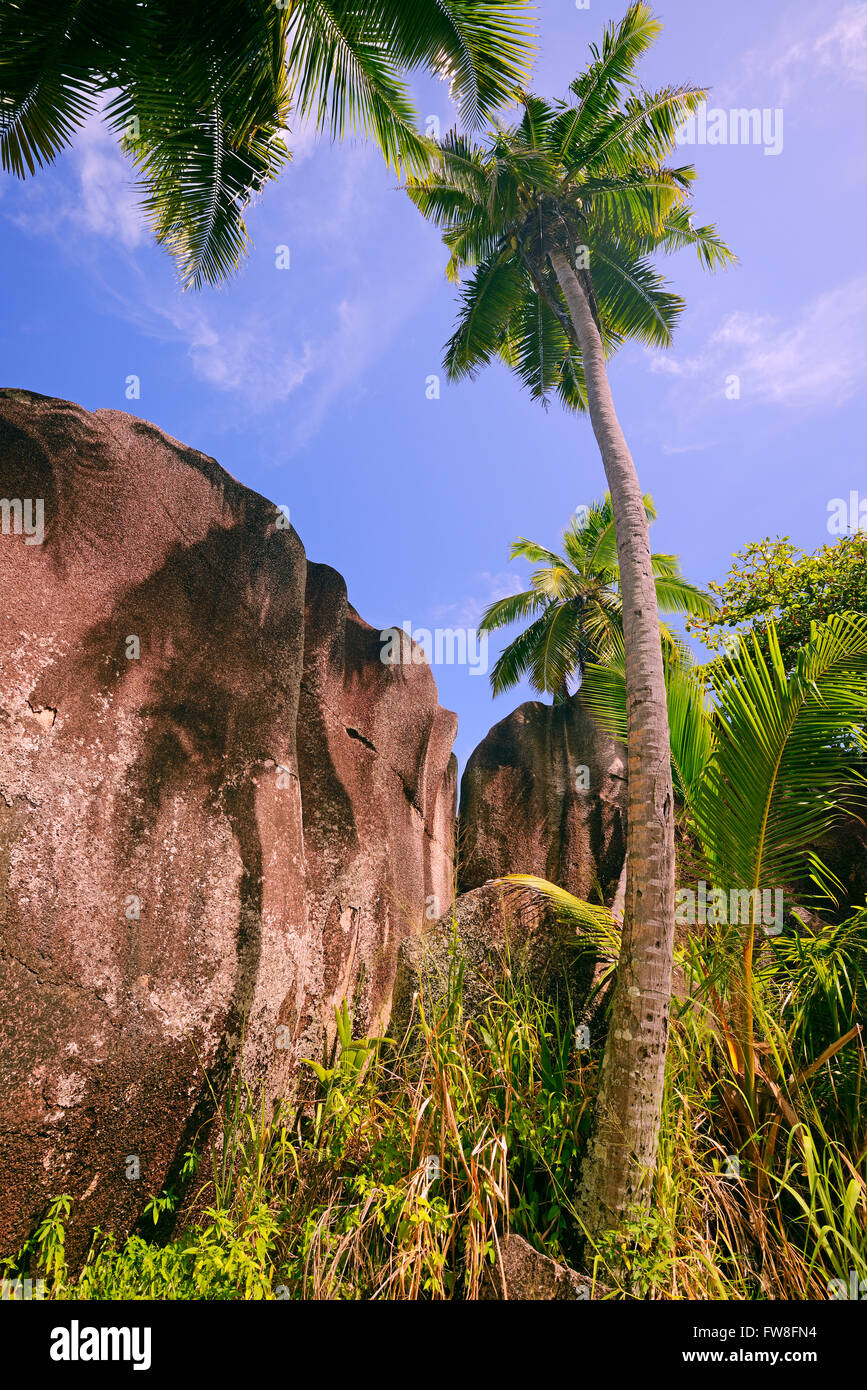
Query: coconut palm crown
(576, 605)
(588, 176)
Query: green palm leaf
(599, 87)
(676, 595)
(592, 922)
(559, 648)
(48, 85)
(508, 610)
(518, 657)
(789, 756)
(488, 300)
(201, 93)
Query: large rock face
(544, 793)
(220, 812)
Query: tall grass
(396, 1172)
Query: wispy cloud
(275, 340)
(687, 448)
(820, 50)
(816, 360)
(99, 198)
(467, 611)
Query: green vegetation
(775, 580)
(334, 1197)
(763, 766)
(202, 96)
(556, 219)
(576, 604)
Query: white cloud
(302, 138)
(108, 201)
(467, 611)
(263, 348)
(842, 49)
(837, 51)
(100, 199)
(817, 360)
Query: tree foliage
(773, 579)
(203, 95)
(575, 604)
(589, 175)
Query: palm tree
(765, 764)
(200, 94)
(558, 215)
(576, 604)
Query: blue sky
(309, 384)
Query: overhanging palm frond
(202, 91)
(346, 61)
(483, 47)
(592, 923)
(345, 76)
(49, 80)
(205, 146)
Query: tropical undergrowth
(395, 1172)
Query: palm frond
(559, 650)
(598, 89)
(535, 346)
(510, 609)
(632, 295)
(677, 233)
(487, 302)
(643, 130)
(592, 922)
(677, 595)
(346, 76)
(522, 549)
(482, 47)
(517, 658)
(789, 758)
(49, 79)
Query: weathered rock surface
(544, 793)
(486, 930)
(219, 811)
(531, 1276)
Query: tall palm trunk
(622, 1155)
